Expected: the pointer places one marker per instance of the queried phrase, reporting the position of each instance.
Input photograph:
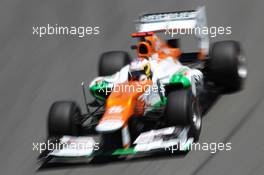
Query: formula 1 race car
(150, 103)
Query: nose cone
(109, 125)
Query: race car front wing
(85, 148)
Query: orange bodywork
(156, 45)
(124, 101)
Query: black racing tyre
(64, 119)
(227, 65)
(183, 109)
(111, 62)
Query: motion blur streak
(35, 71)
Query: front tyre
(64, 119)
(183, 109)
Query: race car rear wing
(168, 21)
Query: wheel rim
(196, 117)
(242, 68)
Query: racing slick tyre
(226, 66)
(64, 119)
(111, 62)
(183, 109)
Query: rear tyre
(111, 62)
(64, 119)
(227, 65)
(183, 109)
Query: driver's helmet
(139, 69)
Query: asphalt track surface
(35, 71)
